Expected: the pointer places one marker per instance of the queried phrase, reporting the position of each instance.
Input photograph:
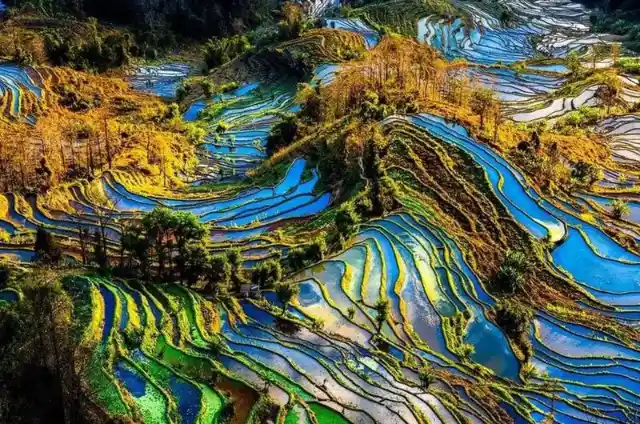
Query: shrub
(586, 174)
(620, 208)
(427, 377)
(347, 220)
(218, 51)
(511, 276)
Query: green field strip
(325, 415)
(155, 405)
(211, 403)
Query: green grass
(325, 415)
(292, 417)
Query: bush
(218, 51)
(586, 174)
(282, 134)
(511, 276)
(347, 220)
(620, 208)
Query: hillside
(404, 211)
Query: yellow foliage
(87, 124)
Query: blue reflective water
(109, 312)
(188, 397)
(133, 382)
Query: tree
(609, 91)
(218, 51)
(99, 254)
(351, 312)
(292, 21)
(316, 250)
(286, 292)
(193, 259)
(267, 274)
(218, 273)
(427, 377)
(615, 52)
(482, 102)
(282, 134)
(158, 226)
(189, 234)
(41, 365)
(586, 174)
(598, 52)
(382, 308)
(511, 276)
(46, 247)
(573, 63)
(234, 257)
(620, 208)
(135, 245)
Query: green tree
(292, 22)
(193, 260)
(99, 254)
(347, 220)
(188, 233)
(158, 226)
(234, 257)
(267, 274)
(383, 309)
(512, 273)
(218, 273)
(427, 376)
(218, 51)
(483, 100)
(573, 63)
(285, 292)
(351, 312)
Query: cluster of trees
(585, 174)
(621, 17)
(620, 208)
(190, 18)
(515, 319)
(41, 366)
(166, 245)
(95, 51)
(122, 130)
(511, 314)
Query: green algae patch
(212, 404)
(325, 415)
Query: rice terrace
(320, 211)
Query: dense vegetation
(193, 18)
